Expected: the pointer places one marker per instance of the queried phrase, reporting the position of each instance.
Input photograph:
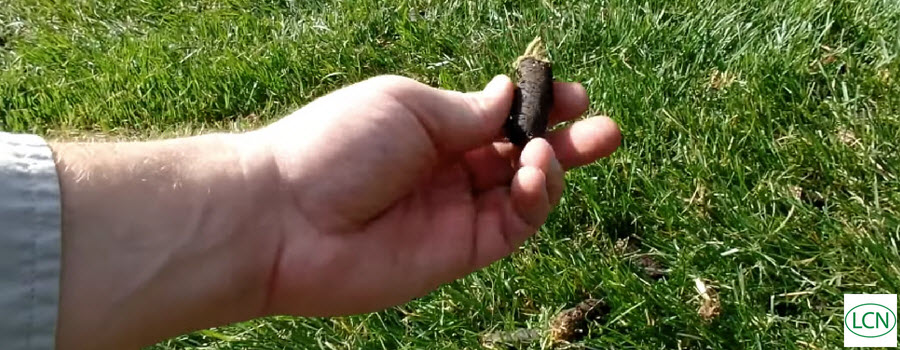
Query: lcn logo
(870, 320)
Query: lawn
(760, 152)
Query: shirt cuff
(30, 230)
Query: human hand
(390, 188)
(364, 199)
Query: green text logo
(870, 320)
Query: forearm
(160, 238)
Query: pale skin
(364, 199)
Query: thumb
(458, 122)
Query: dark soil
(532, 102)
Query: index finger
(570, 101)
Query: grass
(760, 147)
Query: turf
(760, 148)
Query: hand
(391, 188)
(364, 199)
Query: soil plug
(533, 97)
(571, 324)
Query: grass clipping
(533, 97)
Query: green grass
(766, 126)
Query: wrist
(257, 220)
(251, 222)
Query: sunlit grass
(760, 147)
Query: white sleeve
(30, 229)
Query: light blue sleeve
(30, 229)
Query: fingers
(491, 165)
(506, 218)
(580, 143)
(529, 197)
(534, 185)
(455, 121)
(540, 155)
(570, 100)
(557, 181)
(585, 141)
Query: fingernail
(557, 166)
